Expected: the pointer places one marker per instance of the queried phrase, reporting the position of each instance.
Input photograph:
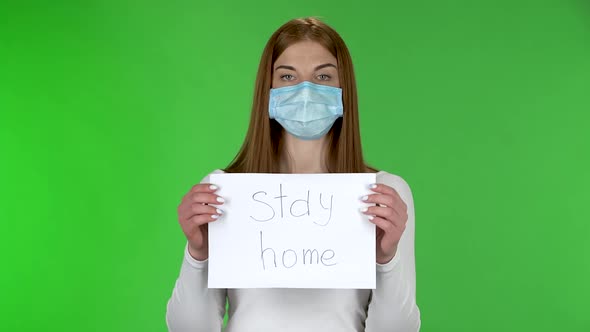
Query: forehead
(305, 52)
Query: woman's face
(305, 61)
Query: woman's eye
(323, 77)
(287, 77)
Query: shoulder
(208, 176)
(396, 182)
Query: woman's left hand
(390, 217)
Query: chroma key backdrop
(111, 110)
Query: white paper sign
(292, 231)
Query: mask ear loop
(271, 106)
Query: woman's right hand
(194, 215)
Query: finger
(204, 187)
(400, 221)
(385, 189)
(205, 198)
(381, 199)
(202, 219)
(383, 224)
(394, 201)
(197, 209)
(382, 212)
(397, 205)
(389, 214)
(386, 225)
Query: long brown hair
(261, 149)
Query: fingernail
(365, 198)
(373, 186)
(220, 199)
(371, 217)
(219, 212)
(213, 187)
(364, 209)
(214, 216)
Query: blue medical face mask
(306, 110)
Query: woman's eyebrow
(325, 65)
(316, 68)
(285, 67)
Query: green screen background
(111, 110)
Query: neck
(300, 156)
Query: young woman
(304, 120)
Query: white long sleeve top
(390, 307)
